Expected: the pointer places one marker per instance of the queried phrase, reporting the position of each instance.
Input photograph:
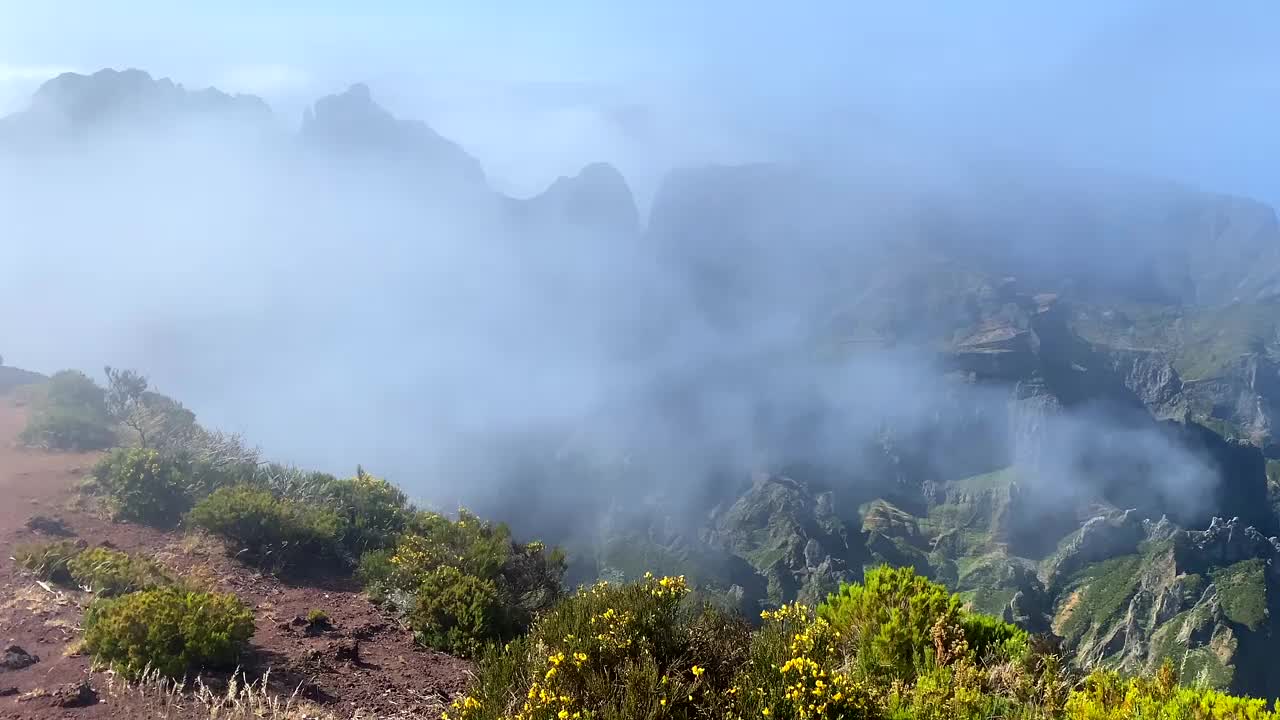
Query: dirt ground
(390, 678)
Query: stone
(74, 695)
(15, 658)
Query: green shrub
(526, 577)
(169, 631)
(70, 414)
(457, 613)
(374, 512)
(636, 650)
(988, 634)
(142, 485)
(72, 388)
(111, 572)
(894, 616)
(268, 531)
(376, 574)
(49, 561)
(1106, 695)
(889, 618)
(60, 428)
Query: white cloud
(265, 79)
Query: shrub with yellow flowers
(1105, 695)
(638, 650)
(607, 651)
(796, 670)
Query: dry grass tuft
(242, 700)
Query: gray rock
(15, 658)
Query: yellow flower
(564, 715)
(765, 712)
(698, 670)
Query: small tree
(126, 402)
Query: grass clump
(110, 572)
(144, 486)
(49, 561)
(99, 570)
(264, 530)
(70, 414)
(168, 630)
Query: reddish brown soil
(392, 678)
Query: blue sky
(1188, 90)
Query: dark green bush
(110, 572)
(457, 613)
(168, 630)
(376, 574)
(986, 633)
(527, 577)
(268, 531)
(374, 512)
(143, 485)
(437, 556)
(48, 561)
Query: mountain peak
(597, 196)
(130, 97)
(353, 121)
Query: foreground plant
(168, 630)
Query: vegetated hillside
(1055, 397)
(150, 604)
(357, 662)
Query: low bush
(458, 613)
(59, 428)
(377, 574)
(264, 530)
(608, 651)
(69, 414)
(143, 485)
(374, 512)
(168, 630)
(110, 572)
(522, 580)
(49, 561)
